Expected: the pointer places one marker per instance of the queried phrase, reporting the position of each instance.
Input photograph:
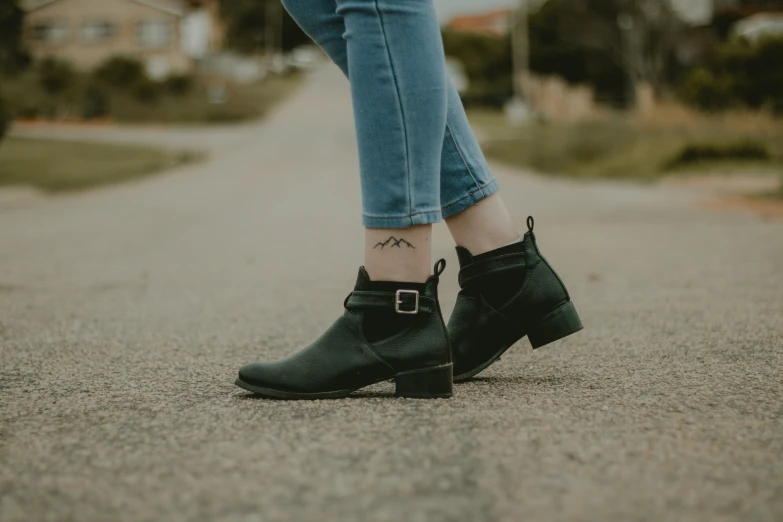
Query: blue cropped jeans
(419, 159)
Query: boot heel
(561, 323)
(429, 383)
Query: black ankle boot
(389, 330)
(506, 294)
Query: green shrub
(738, 151)
(738, 73)
(121, 72)
(95, 103)
(705, 90)
(487, 62)
(56, 76)
(48, 89)
(4, 119)
(179, 84)
(576, 40)
(147, 91)
(119, 89)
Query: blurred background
(179, 195)
(614, 88)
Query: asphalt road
(125, 313)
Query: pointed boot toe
(388, 331)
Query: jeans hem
(465, 202)
(412, 220)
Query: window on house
(52, 32)
(97, 31)
(154, 33)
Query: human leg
(392, 326)
(465, 177)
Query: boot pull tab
(440, 266)
(530, 224)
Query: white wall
(196, 30)
(697, 12)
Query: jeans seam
(462, 157)
(399, 101)
(386, 216)
(479, 188)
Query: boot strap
(403, 301)
(490, 266)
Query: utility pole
(273, 33)
(625, 23)
(520, 41)
(518, 110)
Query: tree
(4, 119)
(739, 73)
(245, 22)
(12, 55)
(610, 44)
(55, 76)
(487, 62)
(121, 72)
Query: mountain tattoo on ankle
(394, 243)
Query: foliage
(127, 75)
(694, 153)
(739, 73)
(4, 119)
(583, 42)
(120, 90)
(243, 102)
(121, 72)
(147, 91)
(12, 55)
(48, 89)
(554, 53)
(179, 84)
(487, 62)
(624, 148)
(245, 22)
(609, 45)
(56, 76)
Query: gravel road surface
(126, 311)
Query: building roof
(174, 7)
(494, 23)
(760, 25)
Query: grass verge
(59, 166)
(623, 148)
(775, 194)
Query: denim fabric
(410, 122)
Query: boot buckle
(398, 302)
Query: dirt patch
(768, 209)
(17, 196)
(734, 193)
(727, 184)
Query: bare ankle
(483, 227)
(398, 254)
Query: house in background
(748, 7)
(759, 26)
(169, 36)
(702, 12)
(756, 18)
(493, 23)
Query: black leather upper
(478, 328)
(343, 359)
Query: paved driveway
(126, 311)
